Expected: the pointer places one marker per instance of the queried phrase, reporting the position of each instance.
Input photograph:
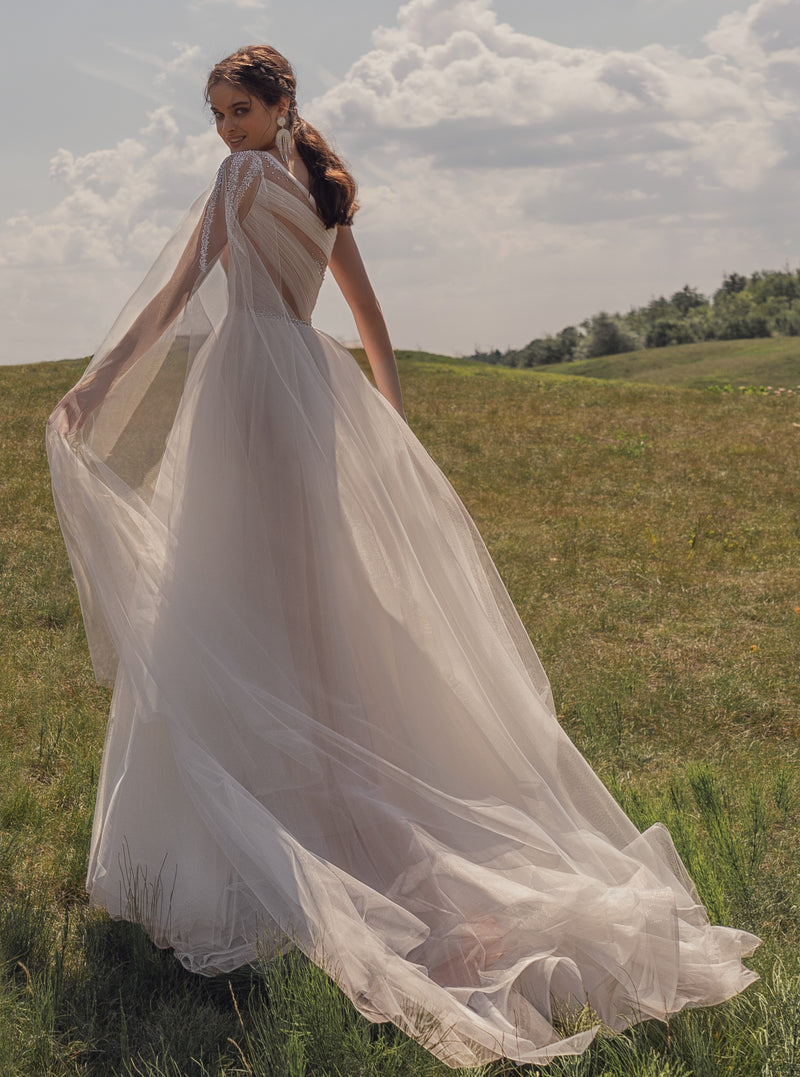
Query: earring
(283, 140)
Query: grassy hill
(774, 361)
(648, 536)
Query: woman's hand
(73, 410)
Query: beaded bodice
(278, 245)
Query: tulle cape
(328, 723)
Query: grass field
(649, 538)
(774, 362)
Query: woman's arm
(208, 242)
(75, 408)
(351, 276)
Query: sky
(522, 164)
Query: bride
(328, 724)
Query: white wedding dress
(328, 722)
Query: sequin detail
(281, 316)
(241, 169)
(208, 220)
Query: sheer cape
(328, 723)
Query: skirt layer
(329, 725)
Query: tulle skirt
(329, 726)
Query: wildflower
(754, 647)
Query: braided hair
(264, 73)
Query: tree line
(762, 305)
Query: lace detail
(208, 220)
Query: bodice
(278, 245)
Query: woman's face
(243, 121)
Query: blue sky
(522, 164)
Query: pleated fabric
(328, 724)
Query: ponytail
(332, 186)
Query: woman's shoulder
(240, 166)
(239, 179)
(237, 174)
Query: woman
(328, 723)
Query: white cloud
(767, 33)
(509, 185)
(451, 80)
(185, 62)
(65, 272)
(536, 164)
(134, 72)
(120, 204)
(161, 124)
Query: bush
(688, 299)
(606, 336)
(736, 317)
(668, 331)
(558, 349)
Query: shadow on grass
(88, 995)
(95, 996)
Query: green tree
(607, 335)
(687, 299)
(666, 331)
(732, 283)
(738, 317)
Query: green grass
(648, 536)
(774, 361)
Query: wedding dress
(328, 723)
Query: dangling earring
(283, 140)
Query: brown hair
(264, 73)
